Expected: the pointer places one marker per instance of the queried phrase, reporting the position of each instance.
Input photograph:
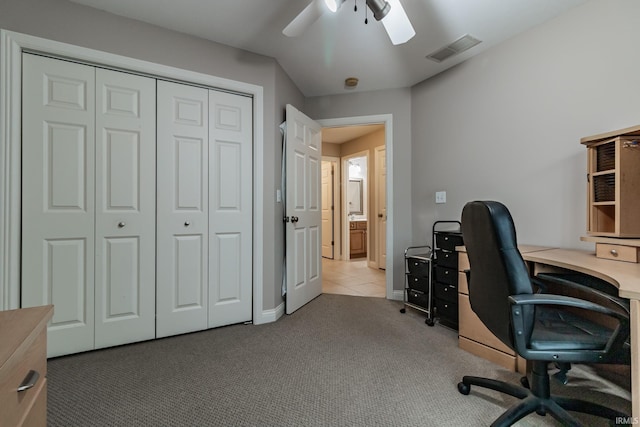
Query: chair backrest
(497, 267)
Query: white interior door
(381, 205)
(303, 236)
(125, 208)
(58, 198)
(182, 229)
(327, 209)
(230, 208)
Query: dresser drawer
(447, 258)
(30, 356)
(617, 252)
(419, 283)
(448, 240)
(418, 298)
(447, 310)
(445, 292)
(446, 275)
(418, 266)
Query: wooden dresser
(23, 366)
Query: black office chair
(536, 326)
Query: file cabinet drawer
(418, 283)
(446, 275)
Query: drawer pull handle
(121, 224)
(614, 252)
(187, 223)
(29, 381)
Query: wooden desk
(625, 276)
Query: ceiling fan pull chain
(366, 15)
(355, 5)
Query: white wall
(506, 124)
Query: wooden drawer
(507, 361)
(617, 252)
(472, 327)
(361, 225)
(30, 356)
(463, 261)
(463, 286)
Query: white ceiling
(340, 45)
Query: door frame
(387, 121)
(346, 234)
(12, 45)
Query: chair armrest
(613, 352)
(622, 303)
(552, 299)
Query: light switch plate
(441, 197)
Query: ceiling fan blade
(397, 24)
(308, 16)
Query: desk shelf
(613, 171)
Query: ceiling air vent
(463, 43)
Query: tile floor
(352, 277)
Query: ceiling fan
(390, 12)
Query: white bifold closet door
(183, 206)
(88, 202)
(204, 229)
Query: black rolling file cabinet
(445, 272)
(418, 270)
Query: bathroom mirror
(354, 196)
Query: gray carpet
(338, 361)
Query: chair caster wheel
(463, 388)
(403, 310)
(429, 322)
(525, 382)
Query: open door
(303, 157)
(327, 209)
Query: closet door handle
(121, 224)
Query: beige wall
(364, 143)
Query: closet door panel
(183, 150)
(57, 198)
(125, 208)
(230, 208)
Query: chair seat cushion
(556, 329)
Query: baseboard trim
(269, 316)
(398, 295)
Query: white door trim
(12, 45)
(387, 120)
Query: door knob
(294, 219)
(121, 224)
(380, 215)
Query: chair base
(538, 399)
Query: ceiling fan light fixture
(333, 5)
(380, 8)
(397, 24)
